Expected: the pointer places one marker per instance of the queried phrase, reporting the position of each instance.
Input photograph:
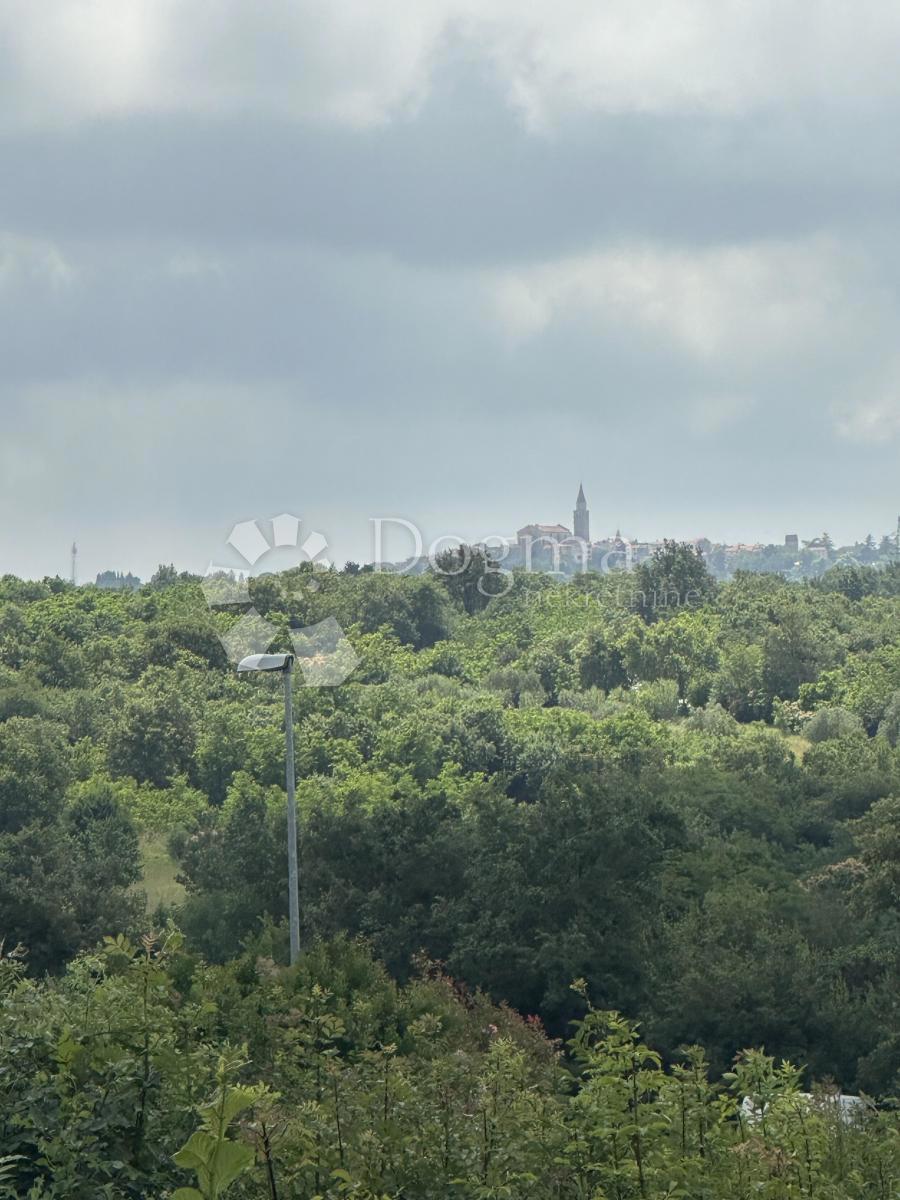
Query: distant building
(535, 534)
(582, 518)
(115, 581)
(554, 547)
(792, 542)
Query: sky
(443, 260)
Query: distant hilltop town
(564, 551)
(569, 551)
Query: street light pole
(293, 870)
(285, 664)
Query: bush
(153, 810)
(889, 725)
(830, 723)
(712, 719)
(659, 699)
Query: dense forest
(522, 815)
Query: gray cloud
(443, 261)
(464, 181)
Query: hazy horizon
(196, 557)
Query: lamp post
(285, 664)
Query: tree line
(693, 808)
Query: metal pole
(293, 871)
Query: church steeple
(581, 517)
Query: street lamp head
(266, 662)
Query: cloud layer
(361, 64)
(444, 259)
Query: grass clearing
(798, 744)
(160, 870)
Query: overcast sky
(442, 259)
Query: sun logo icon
(323, 652)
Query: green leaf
(236, 1100)
(231, 1160)
(197, 1151)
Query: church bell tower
(582, 518)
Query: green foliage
(65, 864)
(659, 699)
(674, 578)
(124, 1078)
(153, 810)
(528, 787)
(217, 1159)
(889, 725)
(470, 576)
(830, 723)
(34, 771)
(154, 737)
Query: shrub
(830, 723)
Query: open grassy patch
(798, 744)
(159, 873)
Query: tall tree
(673, 579)
(471, 576)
